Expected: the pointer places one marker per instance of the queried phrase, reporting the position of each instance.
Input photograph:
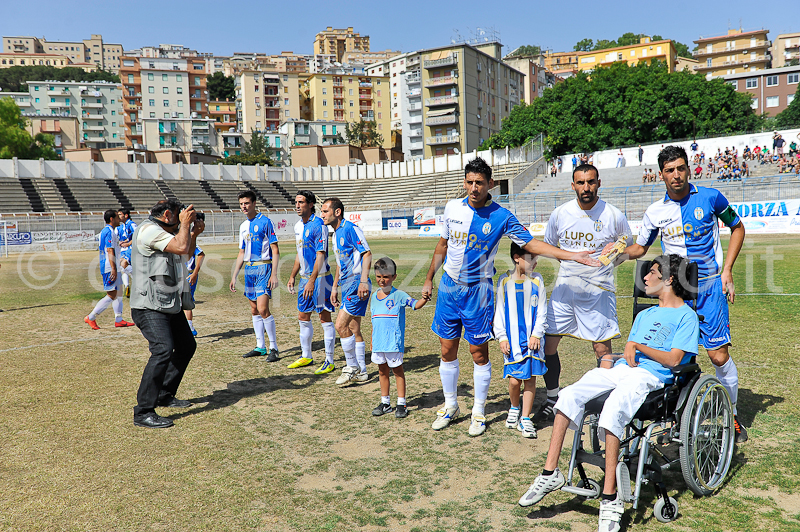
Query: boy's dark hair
(335, 203)
(478, 166)
(249, 194)
(516, 249)
(126, 212)
(677, 268)
(385, 266)
(109, 215)
(586, 167)
(671, 153)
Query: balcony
(364, 96)
(271, 81)
(412, 61)
(733, 49)
(55, 128)
(441, 81)
(442, 139)
(338, 83)
(740, 62)
(23, 103)
(94, 138)
(413, 79)
(92, 105)
(91, 116)
(416, 93)
(365, 108)
(94, 128)
(195, 96)
(415, 119)
(58, 92)
(414, 132)
(441, 100)
(199, 126)
(162, 128)
(365, 84)
(368, 118)
(444, 61)
(58, 105)
(439, 120)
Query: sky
(223, 28)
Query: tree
(256, 151)
(14, 79)
(790, 117)
(627, 39)
(221, 87)
(525, 51)
(15, 141)
(584, 45)
(624, 105)
(363, 134)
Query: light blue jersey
(256, 237)
(389, 320)
(192, 262)
(348, 244)
(108, 239)
(664, 329)
(310, 238)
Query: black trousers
(171, 348)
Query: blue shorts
(526, 368)
(470, 306)
(351, 303)
(126, 254)
(108, 284)
(256, 281)
(192, 287)
(712, 304)
(321, 300)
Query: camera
(200, 216)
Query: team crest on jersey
(390, 304)
(598, 226)
(487, 227)
(341, 241)
(698, 213)
(255, 228)
(306, 232)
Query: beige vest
(158, 281)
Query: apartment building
(772, 90)
(556, 61)
(160, 87)
(736, 52)
(223, 112)
(336, 42)
(188, 134)
(94, 51)
(346, 96)
(535, 79)
(786, 50)
(265, 99)
(404, 75)
(66, 130)
(8, 60)
(646, 50)
(313, 133)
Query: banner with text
(425, 216)
(770, 216)
(400, 224)
(284, 224)
(366, 220)
(16, 239)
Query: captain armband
(727, 216)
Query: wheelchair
(693, 413)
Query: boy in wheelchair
(661, 337)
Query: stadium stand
(13, 197)
(141, 194)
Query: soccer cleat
(124, 323)
(257, 352)
(194, 332)
(477, 426)
(513, 418)
(326, 367)
(610, 515)
(361, 376)
(541, 487)
(401, 411)
(348, 374)
(526, 428)
(444, 417)
(273, 355)
(546, 412)
(741, 432)
(92, 323)
(382, 409)
(300, 362)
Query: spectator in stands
(641, 154)
(745, 169)
(746, 152)
(757, 153)
(620, 159)
(553, 169)
(702, 157)
(793, 148)
(645, 175)
(698, 172)
(737, 173)
(653, 176)
(560, 162)
(709, 168)
(777, 143)
(574, 162)
(694, 146)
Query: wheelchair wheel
(706, 435)
(593, 485)
(663, 513)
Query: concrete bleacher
(92, 195)
(12, 196)
(141, 194)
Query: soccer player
(258, 251)
(662, 336)
(687, 219)
(354, 260)
(316, 281)
(193, 265)
(388, 309)
(582, 303)
(110, 257)
(471, 233)
(125, 233)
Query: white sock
(306, 337)
(401, 401)
(269, 327)
(349, 348)
(329, 332)
(552, 395)
(448, 371)
(482, 376)
(258, 327)
(728, 375)
(191, 325)
(125, 279)
(100, 307)
(385, 399)
(361, 355)
(116, 304)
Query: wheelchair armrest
(682, 369)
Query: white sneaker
(513, 418)
(541, 487)
(477, 426)
(610, 515)
(361, 376)
(526, 428)
(444, 417)
(348, 374)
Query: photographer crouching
(159, 294)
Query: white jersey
(574, 229)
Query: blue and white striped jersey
(108, 239)
(389, 320)
(192, 262)
(255, 238)
(689, 227)
(124, 232)
(310, 238)
(520, 312)
(348, 244)
(473, 236)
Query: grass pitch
(267, 448)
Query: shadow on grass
(750, 404)
(32, 307)
(572, 505)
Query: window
(351, 103)
(152, 103)
(166, 103)
(286, 112)
(178, 77)
(752, 83)
(324, 103)
(197, 81)
(166, 90)
(324, 114)
(351, 113)
(754, 103)
(150, 76)
(112, 102)
(380, 115)
(113, 113)
(258, 112)
(113, 124)
(734, 83)
(708, 61)
(130, 78)
(789, 99)
(151, 90)
(772, 81)
(180, 103)
(773, 101)
(792, 78)
(164, 77)
(285, 77)
(35, 87)
(180, 90)
(324, 90)
(333, 130)
(286, 90)
(152, 115)
(324, 130)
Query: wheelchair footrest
(588, 493)
(584, 457)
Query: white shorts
(393, 359)
(583, 311)
(630, 388)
